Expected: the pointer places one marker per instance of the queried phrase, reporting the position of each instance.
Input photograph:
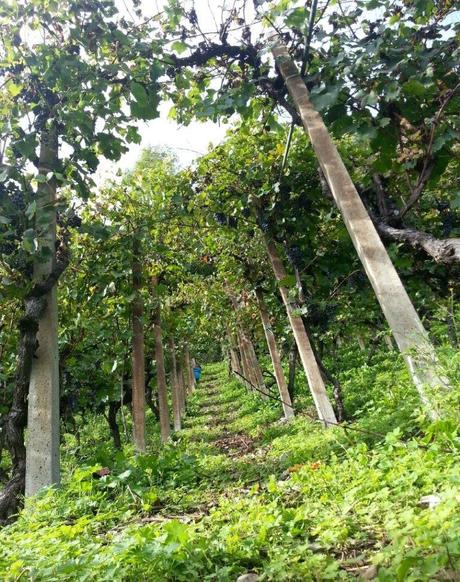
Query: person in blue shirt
(197, 372)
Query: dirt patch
(235, 445)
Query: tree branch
(443, 251)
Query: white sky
(187, 142)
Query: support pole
(408, 331)
(275, 356)
(42, 452)
(310, 365)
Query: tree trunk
(160, 367)
(138, 357)
(258, 377)
(42, 456)
(151, 401)
(180, 378)
(450, 321)
(246, 370)
(445, 251)
(275, 356)
(336, 386)
(188, 369)
(114, 407)
(15, 421)
(310, 365)
(175, 388)
(389, 342)
(404, 322)
(361, 343)
(234, 361)
(293, 353)
(234, 356)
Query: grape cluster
(294, 255)
(74, 221)
(225, 220)
(264, 224)
(7, 247)
(69, 221)
(449, 222)
(220, 218)
(17, 198)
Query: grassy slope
(239, 491)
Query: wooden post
(274, 354)
(408, 331)
(310, 365)
(160, 367)
(138, 356)
(175, 388)
(42, 452)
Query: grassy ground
(239, 491)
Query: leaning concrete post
(275, 356)
(310, 365)
(42, 452)
(408, 331)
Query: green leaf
(139, 93)
(14, 89)
(325, 100)
(31, 209)
(414, 88)
(288, 281)
(456, 201)
(179, 46)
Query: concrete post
(275, 357)
(42, 449)
(408, 331)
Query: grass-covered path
(238, 491)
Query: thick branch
(445, 251)
(213, 50)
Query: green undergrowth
(237, 491)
